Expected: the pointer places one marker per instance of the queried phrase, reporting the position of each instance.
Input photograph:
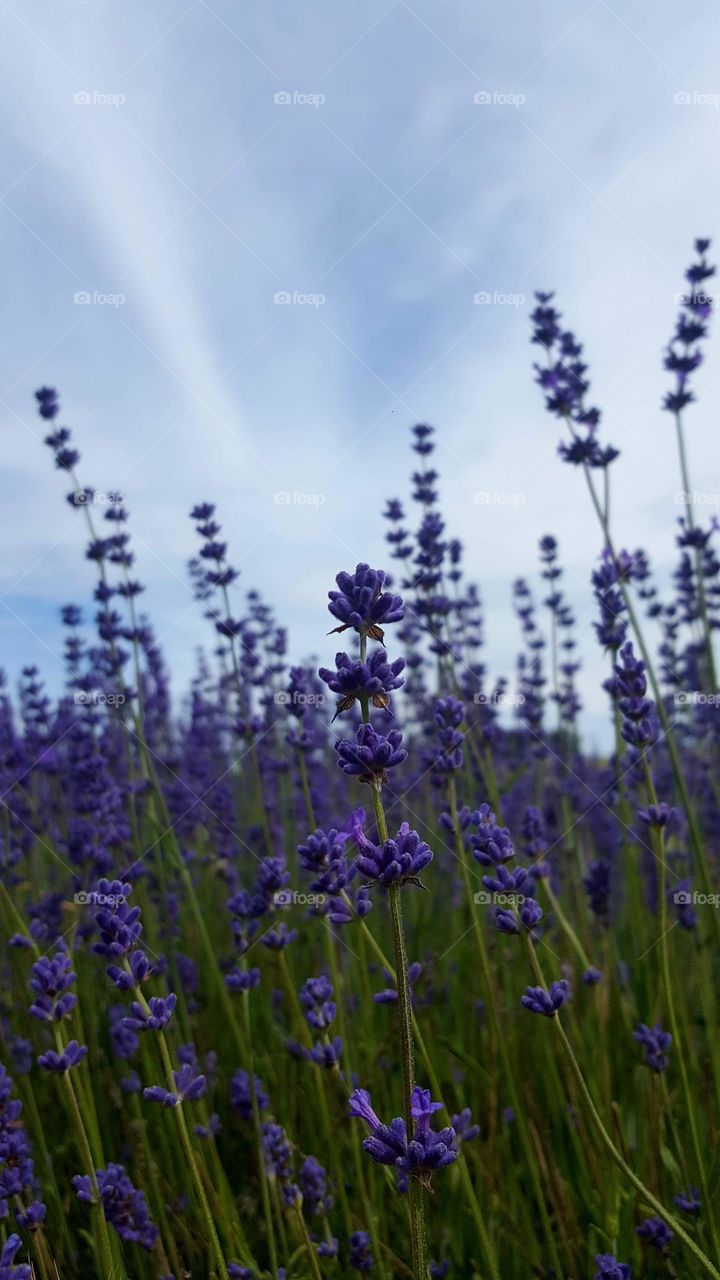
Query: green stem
(622, 1164)
(658, 841)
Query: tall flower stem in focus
(212, 1236)
(105, 1250)
(658, 841)
(418, 1243)
(495, 1018)
(669, 736)
(622, 1164)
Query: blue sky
(146, 155)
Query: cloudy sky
(381, 165)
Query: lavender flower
(657, 1045)
(426, 1150)
(52, 977)
(362, 604)
(689, 1201)
(59, 1063)
(361, 1258)
(629, 689)
(313, 1182)
(123, 1205)
(118, 924)
(493, 844)
(537, 1000)
(684, 355)
(655, 1232)
(189, 1087)
(241, 1096)
(372, 680)
(9, 1270)
(371, 756)
(608, 1268)
(159, 1012)
(396, 861)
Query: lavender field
(375, 967)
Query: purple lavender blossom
(372, 680)
(118, 924)
(9, 1269)
(537, 1000)
(657, 1045)
(241, 1096)
(361, 1257)
(52, 977)
(71, 1056)
(313, 1183)
(493, 844)
(656, 1233)
(689, 1201)
(396, 861)
(426, 1150)
(371, 756)
(123, 1205)
(608, 1268)
(361, 602)
(157, 1015)
(684, 354)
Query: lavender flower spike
(537, 1000)
(362, 604)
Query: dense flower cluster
(421, 1154)
(123, 1205)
